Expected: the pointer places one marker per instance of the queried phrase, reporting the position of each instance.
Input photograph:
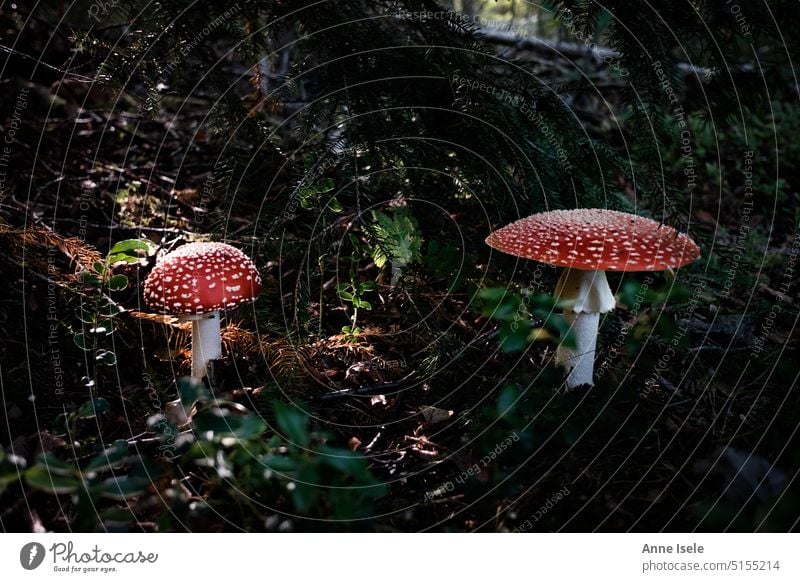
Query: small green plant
(398, 242)
(293, 465)
(94, 474)
(353, 293)
(524, 318)
(54, 475)
(66, 423)
(310, 194)
(98, 309)
(398, 238)
(266, 466)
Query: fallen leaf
(432, 415)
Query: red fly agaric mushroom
(588, 242)
(197, 281)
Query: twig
(574, 50)
(366, 390)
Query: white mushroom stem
(206, 341)
(589, 296)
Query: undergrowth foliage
(395, 374)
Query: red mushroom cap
(201, 277)
(596, 239)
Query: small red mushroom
(590, 241)
(197, 281)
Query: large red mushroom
(197, 281)
(589, 242)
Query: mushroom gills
(206, 343)
(589, 295)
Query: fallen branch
(571, 50)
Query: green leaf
(89, 278)
(99, 268)
(113, 456)
(345, 296)
(251, 426)
(147, 469)
(93, 408)
(82, 341)
(308, 193)
(513, 336)
(88, 317)
(293, 424)
(323, 186)
(216, 423)
(493, 294)
(120, 258)
(500, 304)
(191, 390)
(304, 495)
(124, 487)
(355, 242)
(106, 357)
(335, 205)
(343, 460)
(507, 400)
(55, 465)
(61, 424)
(117, 282)
(129, 251)
(131, 246)
(282, 464)
(52, 475)
(137, 482)
(306, 492)
(378, 257)
(398, 237)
